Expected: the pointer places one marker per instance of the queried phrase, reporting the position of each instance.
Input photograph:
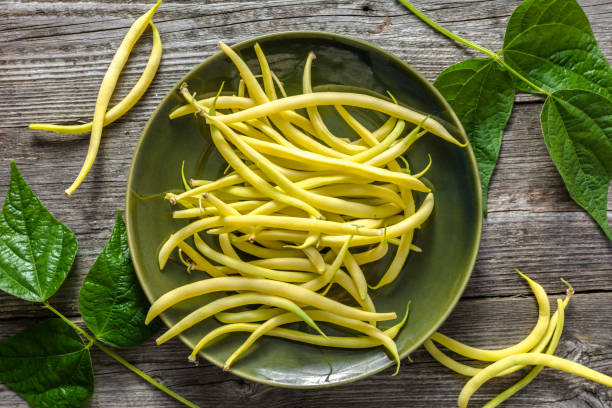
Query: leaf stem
(144, 376)
(453, 36)
(69, 323)
(120, 359)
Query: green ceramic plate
(432, 280)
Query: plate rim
(455, 122)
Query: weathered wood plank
(52, 58)
(586, 339)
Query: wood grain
(53, 56)
(423, 383)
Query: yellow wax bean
(330, 271)
(538, 359)
(290, 264)
(329, 341)
(266, 74)
(315, 258)
(361, 190)
(356, 274)
(247, 174)
(385, 143)
(405, 244)
(226, 246)
(200, 263)
(261, 252)
(357, 325)
(211, 186)
(248, 316)
(249, 269)
(395, 151)
(107, 87)
(127, 102)
(238, 102)
(342, 98)
(230, 302)
(257, 93)
(363, 133)
(197, 212)
(223, 102)
(372, 255)
(527, 344)
(292, 292)
(550, 350)
(360, 170)
(395, 230)
(321, 130)
(470, 371)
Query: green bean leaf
(36, 250)
(47, 365)
(111, 301)
(555, 48)
(531, 13)
(577, 127)
(481, 92)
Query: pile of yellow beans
(299, 210)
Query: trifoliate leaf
(111, 301)
(482, 95)
(48, 365)
(36, 250)
(577, 127)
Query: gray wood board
(53, 56)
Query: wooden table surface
(53, 55)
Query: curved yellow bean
(248, 316)
(107, 88)
(329, 341)
(200, 263)
(340, 165)
(318, 315)
(538, 359)
(246, 173)
(257, 93)
(360, 190)
(361, 130)
(230, 302)
(223, 102)
(330, 271)
(249, 269)
(263, 314)
(289, 264)
(315, 258)
(342, 98)
(204, 211)
(127, 102)
(527, 344)
(261, 252)
(516, 387)
(321, 130)
(356, 274)
(395, 230)
(470, 371)
(372, 255)
(292, 292)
